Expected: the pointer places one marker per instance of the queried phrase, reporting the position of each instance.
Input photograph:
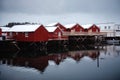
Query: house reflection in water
(78, 64)
(42, 62)
(111, 50)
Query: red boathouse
(74, 28)
(59, 25)
(54, 32)
(77, 28)
(29, 33)
(93, 28)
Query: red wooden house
(77, 28)
(74, 28)
(51, 30)
(29, 33)
(93, 28)
(54, 32)
(5, 31)
(58, 32)
(59, 25)
(68, 27)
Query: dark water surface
(101, 63)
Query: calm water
(94, 63)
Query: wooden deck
(84, 33)
(58, 39)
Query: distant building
(51, 30)
(77, 28)
(59, 25)
(54, 32)
(91, 28)
(74, 28)
(5, 31)
(117, 30)
(58, 32)
(109, 28)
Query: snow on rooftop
(4, 29)
(52, 24)
(24, 28)
(70, 25)
(87, 25)
(51, 28)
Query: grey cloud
(33, 6)
(61, 6)
(46, 11)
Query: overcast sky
(63, 11)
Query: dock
(8, 45)
(76, 38)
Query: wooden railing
(84, 33)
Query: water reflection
(41, 61)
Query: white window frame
(105, 27)
(80, 30)
(10, 34)
(16, 33)
(26, 34)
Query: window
(97, 30)
(118, 27)
(108, 27)
(16, 33)
(10, 33)
(26, 34)
(59, 34)
(105, 27)
(73, 30)
(80, 30)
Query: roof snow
(24, 28)
(52, 24)
(5, 29)
(51, 28)
(87, 25)
(70, 25)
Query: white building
(117, 30)
(109, 28)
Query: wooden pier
(8, 45)
(84, 33)
(71, 39)
(76, 38)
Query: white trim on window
(26, 34)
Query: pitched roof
(24, 28)
(5, 29)
(51, 28)
(87, 25)
(52, 24)
(70, 25)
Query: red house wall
(94, 28)
(41, 34)
(54, 35)
(77, 28)
(56, 32)
(61, 26)
(0, 31)
(50, 35)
